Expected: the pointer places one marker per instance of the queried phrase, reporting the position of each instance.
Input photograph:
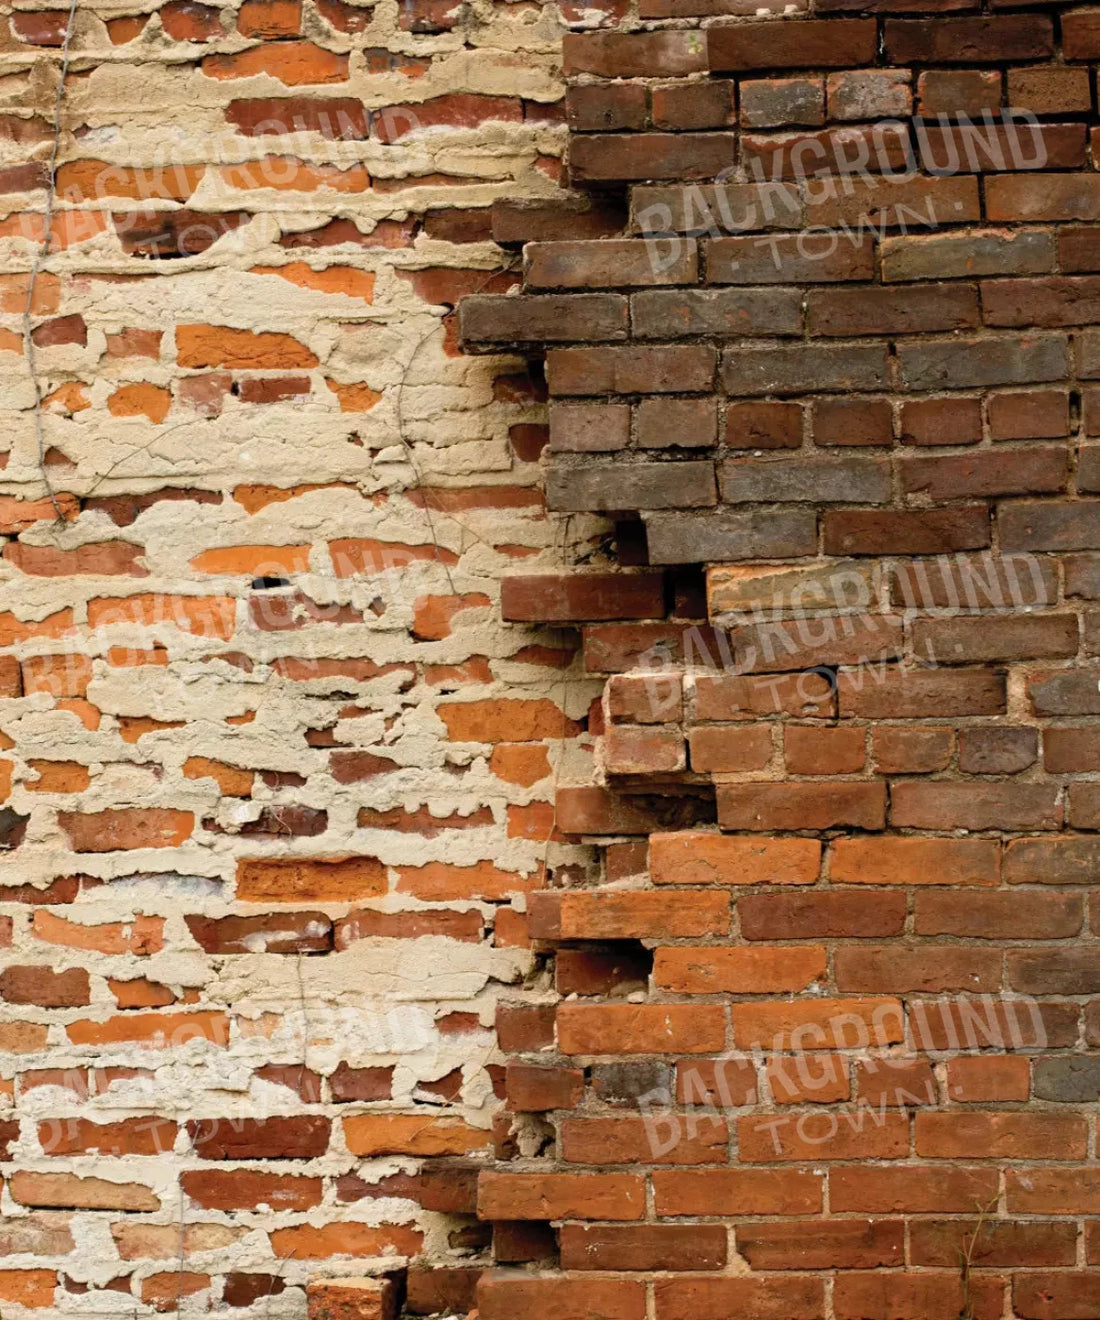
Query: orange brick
(412, 1134)
(223, 346)
(641, 1028)
(911, 861)
(141, 400)
(520, 763)
(696, 857)
(988, 1077)
(254, 560)
(231, 781)
(30, 1288)
(68, 1191)
(739, 971)
(506, 719)
(142, 936)
(309, 880)
(126, 827)
(58, 776)
(293, 63)
(206, 616)
(818, 1024)
(152, 1030)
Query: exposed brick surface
(644, 842)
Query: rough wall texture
(276, 778)
(826, 1045)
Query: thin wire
(42, 255)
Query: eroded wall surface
(827, 1047)
(276, 777)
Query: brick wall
(276, 777)
(825, 1045)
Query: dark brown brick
(1050, 525)
(611, 157)
(881, 311)
(986, 40)
(568, 597)
(609, 263)
(493, 319)
(905, 532)
(791, 44)
(642, 369)
(853, 422)
(784, 259)
(996, 751)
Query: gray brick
(1054, 525)
(495, 319)
(949, 256)
(787, 259)
(708, 208)
(732, 535)
(777, 102)
(605, 487)
(589, 427)
(610, 263)
(1072, 692)
(962, 363)
(1071, 1079)
(815, 480)
(1072, 971)
(803, 369)
(661, 313)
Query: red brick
(796, 1297)
(811, 750)
(801, 43)
(984, 1078)
(1002, 1135)
(821, 1136)
(801, 806)
(736, 1192)
(629, 1141)
(544, 1196)
(998, 916)
(45, 987)
(643, 1247)
(515, 1296)
(894, 969)
(822, 1244)
(692, 858)
(954, 421)
(914, 1189)
(916, 1296)
(820, 914)
(1008, 806)
(904, 751)
(295, 1137)
(1065, 1294)
(969, 40)
(625, 914)
(640, 1028)
(739, 971)
(732, 747)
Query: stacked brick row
(274, 779)
(825, 1040)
